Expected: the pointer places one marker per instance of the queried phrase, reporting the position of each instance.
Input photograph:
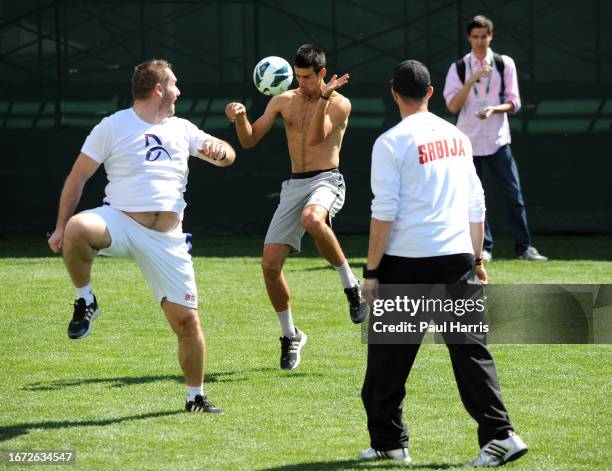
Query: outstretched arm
(325, 119)
(82, 170)
(250, 134)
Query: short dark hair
(479, 21)
(309, 55)
(147, 75)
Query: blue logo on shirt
(156, 151)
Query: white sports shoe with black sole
(499, 452)
(399, 454)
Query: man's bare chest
(298, 114)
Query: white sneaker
(498, 452)
(399, 454)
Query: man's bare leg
(292, 339)
(84, 233)
(191, 353)
(314, 220)
(274, 256)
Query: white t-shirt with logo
(423, 179)
(146, 164)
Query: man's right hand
(484, 71)
(369, 290)
(233, 110)
(482, 274)
(56, 240)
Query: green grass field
(116, 397)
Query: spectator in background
(483, 88)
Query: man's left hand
(333, 84)
(486, 112)
(214, 150)
(369, 290)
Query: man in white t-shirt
(427, 227)
(144, 150)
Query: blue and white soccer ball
(273, 75)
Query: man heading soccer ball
(315, 117)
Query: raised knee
(311, 221)
(76, 228)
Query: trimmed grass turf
(116, 397)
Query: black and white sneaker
(399, 454)
(290, 350)
(84, 315)
(498, 452)
(358, 308)
(202, 404)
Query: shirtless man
(315, 118)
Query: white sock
(86, 293)
(346, 275)
(286, 322)
(193, 391)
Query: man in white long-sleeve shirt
(427, 227)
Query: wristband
(478, 262)
(326, 98)
(369, 273)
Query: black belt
(314, 173)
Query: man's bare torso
(297, 114)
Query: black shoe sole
(516, 456)
(359, 320)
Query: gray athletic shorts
(325, 189)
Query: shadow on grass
(360, 464)
(123, 381)
(12, 431)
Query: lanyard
(488, 79)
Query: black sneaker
(202, 404)
(290, 350)
(84, 315)
(358, 308)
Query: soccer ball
(272, 75)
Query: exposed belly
(161, 221)
(306, 159)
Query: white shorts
(163, 257)
(325, 189)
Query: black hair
(479, 21)
(309, 55)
